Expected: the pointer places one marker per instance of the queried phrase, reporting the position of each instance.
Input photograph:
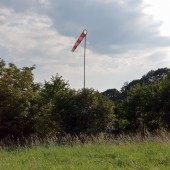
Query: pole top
(85, 31)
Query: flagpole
(81, 37)
(84, 63)
(84, 71)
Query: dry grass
(161, 137)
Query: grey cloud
(22, 5)
(109, 24)
(158, 59)
(3, 52)
(31, 34)
(156, 56)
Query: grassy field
(126, 154)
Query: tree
(151, 77)
(17, 95)
(165, 101)
(113, 94)
(142, 108)
(54, 96)
(87, 112)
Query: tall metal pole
(81, 37)
(84, 63)
(85, 31)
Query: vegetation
(51, 126)
(51, 109)
(143, 105)
(123, 153)
(54, 109)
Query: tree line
(143, 105)
(53, 108)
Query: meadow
(122, 153)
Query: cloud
(20, 6)
(119, 24)
(113, 26)
(122, 44)
(30, 39)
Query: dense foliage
(143, 105)
(27, 108)
(54, 109)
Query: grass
(127, 153)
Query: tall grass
(102, 152)
(86, 139)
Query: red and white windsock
(81, 37)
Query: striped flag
(81, 37)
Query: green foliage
(140, 110)
(165, 101)
(147, 106)
(151, 77)
(17, 94)
(75, 112)
(143, 105)
(54, 94)
(54, 109)
(85, 112)
(113, 94)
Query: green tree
(55, 95)
(85, 112)
(142, 108)
(17, 95)
(165, 102)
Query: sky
(125, 40)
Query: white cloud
(159, 11)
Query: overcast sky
(126, 39)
